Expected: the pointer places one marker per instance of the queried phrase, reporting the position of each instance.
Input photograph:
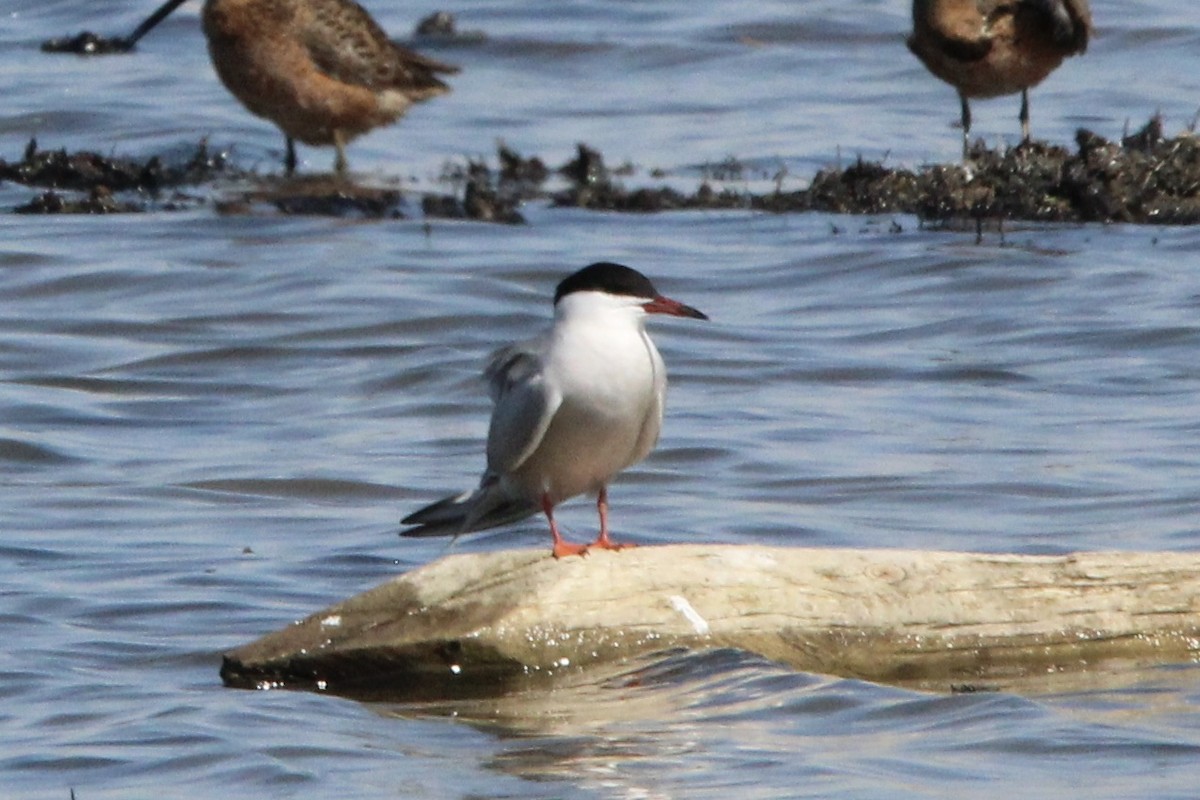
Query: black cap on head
(607, 277)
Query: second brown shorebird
(988, 48)
(322, 70)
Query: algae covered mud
(1144, 178)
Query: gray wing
(524, 405)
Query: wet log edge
(467, 624)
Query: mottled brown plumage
(322, 70)
(988, 48)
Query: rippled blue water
(210, 424)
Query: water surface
(210, 425)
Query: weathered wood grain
(467, 624)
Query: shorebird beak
(674, 308)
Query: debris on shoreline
(488, 195)
(1143, 178)
(101, 178)
(87, 43)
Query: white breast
(612, 382)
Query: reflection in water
(702, 723)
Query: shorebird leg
(1024, 116)
(339, 143)
(289, 158)
(562, 548)
(602, 541)
(966, 125)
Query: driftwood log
(470, 624)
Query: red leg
(602, 541)
(562, 548)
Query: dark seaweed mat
(1144, 178)
(86, 182)
(88, 44)
(99, 178)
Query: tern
(573, 407)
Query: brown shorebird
(322, 70)
(988, 48)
